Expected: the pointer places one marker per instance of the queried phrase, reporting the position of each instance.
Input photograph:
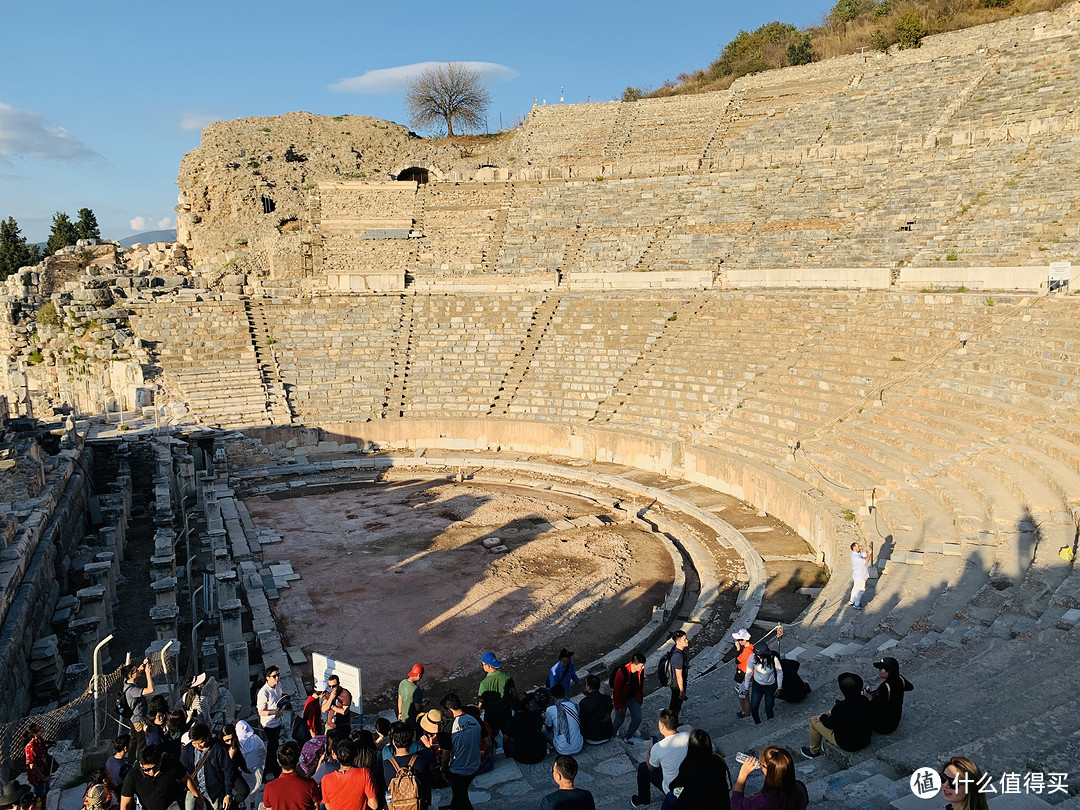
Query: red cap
(417, 670)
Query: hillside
(852, 26)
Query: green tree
(910, 29)
(801, 52)
(632, 93)
(14, 252)
(63, 233)
(754, 51)
(87, 226)
(847, 10)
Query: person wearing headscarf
(254, 751)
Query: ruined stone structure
(616, 288)
(948, 156)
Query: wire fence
(78, 721)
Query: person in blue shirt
(563, 673)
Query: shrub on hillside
(910, 29)
(47, 314)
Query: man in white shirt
(562, 723)
(860, 573)
(663, 760)
(268, 705)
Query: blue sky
(100, 101)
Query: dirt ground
(395, 574)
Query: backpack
(311, 753)
(404, 788)
(663, 669)
(300, 731)
(124, 709)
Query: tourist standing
(311, 714)
(497, 680)
(156, 781)
(337, 705)
(410, 701)
(135, 701)
(349, 787)
(766, 677)
(420, 763)
(210, 770)
(460, 752)
(628, 693)
(563, 672)
(680, 671)
(117, 765)
(860, 573)
(291, 790)
(38, 764)
(743, 649)
(268, 704)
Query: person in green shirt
(497, 693)
(410, 697)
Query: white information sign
(323, 666)
(1060, 273)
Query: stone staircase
(262, 339)
(541, 322)
(403, 357)
(608, 410)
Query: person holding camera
(135, 700)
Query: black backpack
(125, 710)
(663, 668)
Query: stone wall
(248, 193)
(40, 540)
(946, 155)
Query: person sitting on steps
(847, 724)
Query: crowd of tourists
(175, 757)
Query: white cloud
(25, 133)
(195, 121)
(141, 223)
(396, 79)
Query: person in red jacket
(628, 692)
(38, 764)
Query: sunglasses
(952, 781)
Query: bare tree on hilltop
(449, 92)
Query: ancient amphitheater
(830, 293)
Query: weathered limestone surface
(949, 155)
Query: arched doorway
(414, 174)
